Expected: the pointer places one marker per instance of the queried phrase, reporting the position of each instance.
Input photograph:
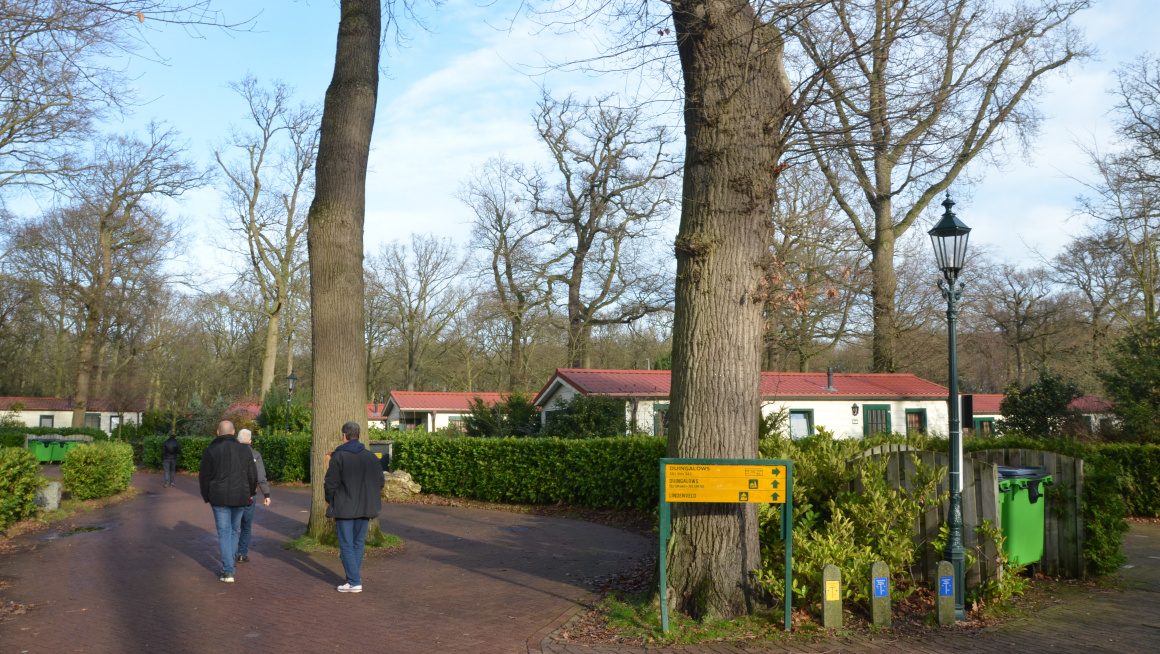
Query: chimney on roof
(830, 379)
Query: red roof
(655, 383)
(424, 401)
(95, 404)
(1090, 404)
(987, 403)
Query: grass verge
(383, 546)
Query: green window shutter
(876, 419)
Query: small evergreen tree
(588, 416)
(1039, 409)
(274, 408)
(515, 416)
(1133, 384)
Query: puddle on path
(73, 531)
(513, 528)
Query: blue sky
(461, 93)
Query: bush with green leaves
(14, 436)
(93, 470)
(587, 416)
(1040, 407)
(19, 480)
(618, 473)
(514, 416)
(1133, 384)
(286, 456)
(832, 525)
(275, 411)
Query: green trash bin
(41, 449)
(1021, 512)
(57, 451)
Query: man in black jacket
(229, 478)
(170, 451)
(353, 487)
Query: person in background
(228, 479)
(353, 488)
(170, 451)
(248, 515)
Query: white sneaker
(347, 588)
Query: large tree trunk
(736, 98)
(336, 243)
(85, 367)
(516, 355)
(270, 358)
(883, 288)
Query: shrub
(93, 470)
(1040, 407)
(286, 456)
(202, 419)
(515, 416)
(14, 436)
(618, 472)
(587, 416)
(19, 480)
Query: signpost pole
(665, 526)
(787, 537)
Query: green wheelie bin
(1021, 503)
(41, 449)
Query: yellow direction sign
(724, 483)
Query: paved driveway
(467, 581)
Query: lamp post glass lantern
(949, 238)
(290, 381)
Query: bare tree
(59, 73)
(422, 295)
(821, 260)
(611, 193)
(267, 185)
(911, 93)
(512, 242)
(1021, 305)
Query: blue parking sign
(881, 589)
(946, 586)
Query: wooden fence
(980, 502)
(1063, 511)
(1064, 530)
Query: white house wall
(836, 415)
(63, 419)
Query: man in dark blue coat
(353, 487)
(228, 478)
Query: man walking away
(229, 479)
(248, 515)
(353, 487)
(170, 451)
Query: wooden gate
(1064, 530)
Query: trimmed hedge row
(286, 456)
(93, 470)
(19, 480)
(14, 436)
(619, 473)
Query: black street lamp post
(290, 380)
(949, 238)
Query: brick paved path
(1122, 620)
(465, 581)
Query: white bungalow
(429, 411)
(849, 404)
(1096, 413)
(100, 413)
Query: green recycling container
(1021, 512)
(41, 449)
(57, 448)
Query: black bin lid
(1008, 472)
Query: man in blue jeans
(228, 479)
(243, 553)
(353, 488)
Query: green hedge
(19, 480)
(286, 456)
(93, 470)
(14, 436)
(618, 472)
